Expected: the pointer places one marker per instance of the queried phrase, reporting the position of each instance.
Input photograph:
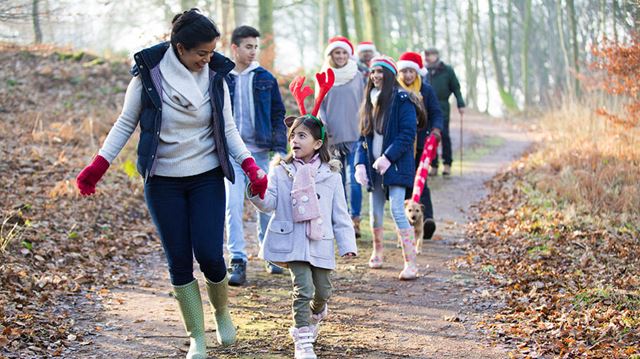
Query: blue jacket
(397, 145)
(147, 67)
(270, 131)
(435, 118)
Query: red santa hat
(339, 42)
(366, 45)
(411, 60)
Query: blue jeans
(235, 209)
(190, 222)
(354, 193)
(377, 199)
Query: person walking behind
(366, 51)
(187, 140)
(258, 112)
(384, 160)
(410, 70)
(339, 111)
(444, 82)
(309, 210)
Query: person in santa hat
(410, 70)
(366, 51)
(339, 111)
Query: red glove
(90, 175)
(257, 177)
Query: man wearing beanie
(444, 82)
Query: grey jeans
(311, 291)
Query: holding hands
(257, 177)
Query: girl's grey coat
(285, 240)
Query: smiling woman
(179, 98)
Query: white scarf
(185, 90)
(344, 74)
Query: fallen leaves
(570, 285)
(60, 251)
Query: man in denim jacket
(258, 112)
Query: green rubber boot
(190, 303)
(225, 330)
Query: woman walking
(187, 136)
(385, 162)
(339, 111)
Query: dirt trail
(372, 314)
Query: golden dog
(415, 214)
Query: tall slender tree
(357, 19)
(525, 53)
(265, 22)
(35, 14)
(342, 16)
(571, 13)
(372, 16)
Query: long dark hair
(191, 29)
(316, 127)
(374, 118)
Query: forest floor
(372, 313)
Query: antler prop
(300, 93)
(428, 153)
(325, 81)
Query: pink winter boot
(377, 257)
(410, 270)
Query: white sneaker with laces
(303, 341)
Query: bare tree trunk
(372, 16)
(357, 19)
(481, 56)
(323, 25)
(447, 36)
(563, 46)
(35, 14)
(433, 24)
(342, 16)
(409, 14)
(510, 45)
(574, 42)
(505, 96)
(471, 73)
(525, 54)
(265, 22)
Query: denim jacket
(271, 133)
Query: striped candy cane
(428, 153)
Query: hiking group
(214, 131)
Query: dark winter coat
(397, 145)
(146, 66)
(435, 118)
(444, 82)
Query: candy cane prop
(428, 153)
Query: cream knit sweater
(186, 146)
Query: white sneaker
(303, 341)
(315, 322)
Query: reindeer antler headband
(300, 92)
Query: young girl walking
(306, 197)
(409, 77)
(385, 163)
